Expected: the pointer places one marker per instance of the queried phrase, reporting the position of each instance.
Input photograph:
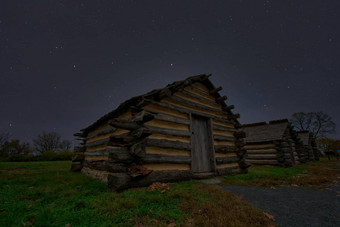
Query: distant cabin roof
(173, 87)
(264, 132)
(304, 136)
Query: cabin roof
(264, 132)
(203, 78)
(304, 136)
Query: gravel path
(295, 206)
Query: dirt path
(295, 206)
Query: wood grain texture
(202, 150)
(167, 151)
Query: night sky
(64, 64)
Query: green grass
(52, 195)
(311, 174)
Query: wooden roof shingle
(265, 132)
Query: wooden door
(202, 156)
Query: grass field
(49, 194)
(311, 174)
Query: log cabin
(182, 131)
(308, 145)
(272, 143)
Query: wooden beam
(156, 158)
(226, 160)
(168, 144)
(221, 99)
(225, 149)
(121, 181)
(267, 151)
(124, 124)
(98, 143)
(262, 157)
(214, 91)
(202, 99)
(187, 111)
(263, 162)
(170, 118)
(80, 134)
(129, 138)
(223, 128)
(107, 130)
(172, 132)
(224, 138)
(196, 105)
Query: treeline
(46, 147)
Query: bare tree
(65, 145)
(319, 123)
(4, 137)
(46, 142)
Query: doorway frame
(210, 144)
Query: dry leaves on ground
(162, 187)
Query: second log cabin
(182, 131)
(273, 143)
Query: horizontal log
(124, 124)
(187, 111)
(202, 99)
(170, 118)
(265, 151)
(223, 149)
(262, 157)
(263, 162)
(168, 144)
(226, 160)
(223, 128)
(156, 158)
(165, 131)
(98, 143)
(215, 90)
(116, 154)
(196, 105)
(107, 130)
(80, 134)
(128, 139)
(121, 181)
(224, 138)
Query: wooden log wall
(265, 153)
(153, 141)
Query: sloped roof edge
(203, 78)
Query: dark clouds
(64, 64)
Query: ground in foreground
(48, 194)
